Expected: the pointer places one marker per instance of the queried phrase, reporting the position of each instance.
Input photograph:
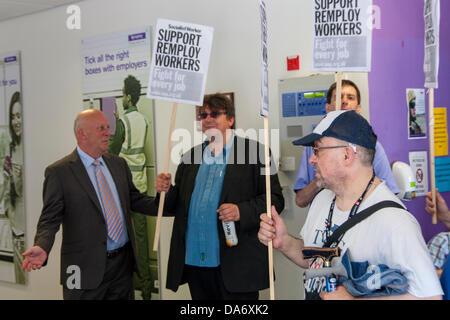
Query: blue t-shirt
(381, 166)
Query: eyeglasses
(213, 114)
(316, 149)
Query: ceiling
(15, 8)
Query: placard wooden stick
(269, 204)
(432, 159)
(166, 170)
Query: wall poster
(417, 121)
(12, 204)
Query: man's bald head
(81, 117)
(91, 129)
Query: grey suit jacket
(69, 199)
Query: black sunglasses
(213, 114)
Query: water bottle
(230, 233)
(331, 283)
(331, 280)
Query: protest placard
(264, 63)
(13, 216)
(431, 61)
(342, 35)
(180, 62)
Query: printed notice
(440, 132)
(419, 166)
(342, 35)
(110, 58)
(180, 61)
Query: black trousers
(117, 283)
(207, 284)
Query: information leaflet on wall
(432, 16)
(180, 62)
(342, 36)
(440, 132)
(419, 165)
(264, 65)
(442, 170)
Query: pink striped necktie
(112, 215)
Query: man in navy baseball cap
(343, 152)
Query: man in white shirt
(344, 147)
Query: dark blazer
(244, 267)
(70, 199)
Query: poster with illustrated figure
(115, 73)
(417, 121)
(12, 203)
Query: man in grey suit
(98, 245)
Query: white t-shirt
(391, 236)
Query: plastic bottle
(331, 280)
(230, 233)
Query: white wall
(52, 80)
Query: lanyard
(352, 211)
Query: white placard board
(342, 36)
(432, 17)
(180, 62)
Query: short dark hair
(132, 87)
(219, 102)
(344, 83)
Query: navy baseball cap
(345, 125)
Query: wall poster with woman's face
(12, 204)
